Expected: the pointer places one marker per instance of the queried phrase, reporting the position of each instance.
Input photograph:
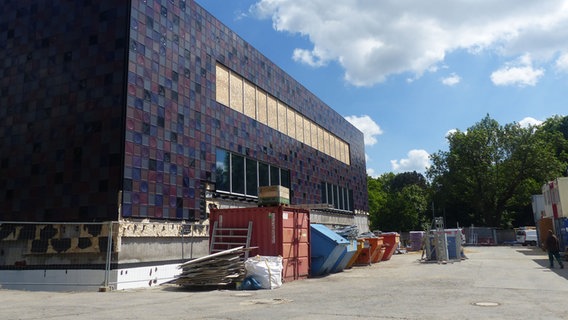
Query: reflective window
(222, 170)
(285, 178)
(263, 176)
(274, 176)
(251, 178)
(237, 174)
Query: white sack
(266, 270)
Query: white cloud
(451, 80)
(520, 73)
(418, 160)
(372, 173)
(528, 121)
(562, 63)
(369, 128)
(450, 132)
(373, 40)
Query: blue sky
(407, 72)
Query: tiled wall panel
(96, 98)
(62, 83)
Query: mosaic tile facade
(98, 98)
(62, 75)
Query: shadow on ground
(540, 257)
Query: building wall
(62, 72)
(105, 104)
(174, 50)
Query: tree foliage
(491, 170)
(397, 202)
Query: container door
(295, 245)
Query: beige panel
(332, 146)
(282, 118)
(321, 147)
(326, 142)
(299, 127)
(272, 112)
(236, 94)
(307, 132)
(291, 117)
(261, 106)
(315, 139)
(222, 84)
(347, 155)
(250, 100)
(340, 151)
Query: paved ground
(504, 282)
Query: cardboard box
(273, 195)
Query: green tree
(490, 171)
(377, 199)
(404, 209)
(397, 202)
(555, 130)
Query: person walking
(552, 246)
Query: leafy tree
(397, 202)
(490, 171)
(404, 209)
(556, 131)
(377, 199)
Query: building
(138, 112)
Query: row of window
(341, 198)
(241, 95)
(243, 176)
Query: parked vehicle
(527, 237)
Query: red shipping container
(276, 231)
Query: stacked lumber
(221, 268)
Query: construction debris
(217, 269)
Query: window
(222, 170)
(240, 175)
(285, 178)
(274, 176)
(323, 188)
(263, 176)
(237, 174)
(251, 178)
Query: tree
(404, 209)
(377, 199)
(490, 169)
(556, 131)
(397, 202)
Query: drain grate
(486, 304)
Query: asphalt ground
(503, 282)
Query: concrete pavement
(493, 283)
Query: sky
(408, 72)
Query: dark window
(336, 197)
(263, 177)
(341, 199)
(329, 194)
(237, 174)
(222, 170)
(252, 186)
(323, 192)
(274, 176)
(285, 178)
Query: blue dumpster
(348, 252)
(326, 248)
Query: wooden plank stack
(218, 269)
